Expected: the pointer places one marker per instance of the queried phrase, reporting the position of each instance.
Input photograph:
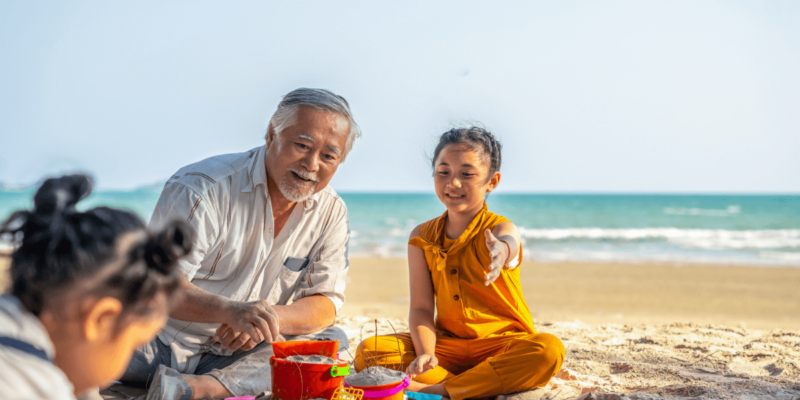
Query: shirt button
(453, 271)
(455, 297)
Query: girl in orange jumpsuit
(482, 341)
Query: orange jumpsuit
(486, 343)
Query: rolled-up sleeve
(327, 273)
(179, 202)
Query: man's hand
(233, 340)
(499, 251)
(256, 319)
(422, 364)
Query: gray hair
(321, 99)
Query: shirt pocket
(285, 285)
(295, 264)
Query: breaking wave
(712, 239)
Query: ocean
(747, 230)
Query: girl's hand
(422, 364)
(499, 251)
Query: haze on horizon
(622, 96)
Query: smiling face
(461, 177)
(302, 159)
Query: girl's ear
(101, 319)
(494, 181)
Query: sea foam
(696, 238)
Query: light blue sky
(605, 96)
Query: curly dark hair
(478, 139)
(60, 250)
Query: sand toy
(343, 393)
(422, 396)
(306, 370)
(379, 383)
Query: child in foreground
(462, 265)
(87, 288)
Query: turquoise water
(757, 230)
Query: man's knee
(335, 333)
(145, 361)
(329, 333)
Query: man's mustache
(306, 175)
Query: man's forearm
(198, 305)
(306, 315)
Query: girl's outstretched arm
(503, 242)
(420, 318)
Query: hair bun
(61, 194)
(163, 249)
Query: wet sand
(764, 298)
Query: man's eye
(302, 146)
(328, 156)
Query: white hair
(321, 99)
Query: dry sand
(640, 331)
(658, 361)
(315, 359)
(4, 262)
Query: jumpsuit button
(453, 271)
(455, 297)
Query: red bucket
(302, 381)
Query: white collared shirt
(22, 375)
(236, 255)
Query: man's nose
(311, 161)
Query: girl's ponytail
(61, 250)
(58, 196)
(161, 251)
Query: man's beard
(294, 190)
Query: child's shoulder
(494, 219)
(427, 228)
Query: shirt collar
(311, 203)
(256, 170)
(257, 175)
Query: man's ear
(101, 319)
(271, 136)
(494, 181)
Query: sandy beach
(763, 298)
(635, 331)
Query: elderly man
(270, 260)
